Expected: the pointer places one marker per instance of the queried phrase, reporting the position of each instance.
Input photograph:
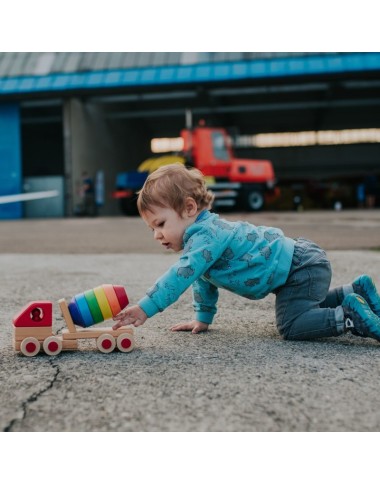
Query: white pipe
(7, 199)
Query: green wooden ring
(94, 306)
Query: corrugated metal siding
(160, 59)
(87, 61)
(143, 59)
(58, 65)
(30, 63)
(6, 63)
(44, 72)
(129, 60)
(116, 60)
(70, 62)
(173, 58)
(15, 64)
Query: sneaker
(365, 287)
(359, 318)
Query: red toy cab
(35, 314)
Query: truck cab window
(219, 147)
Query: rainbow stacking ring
(96, 305)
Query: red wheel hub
(30, 347)
(53, 346)
(106, 344)
(125, 343)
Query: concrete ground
(239, 376)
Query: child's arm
(194, 326)
(133, 315)
(171, 285)
(193, 263)
(205, 298)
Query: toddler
(248, 260)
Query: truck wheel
(52, 345)
(128, 206)
(106, 343)
(254, 200)
(125, 342)
(30, 346)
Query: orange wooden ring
(112, 299)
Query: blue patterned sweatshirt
(248, 260)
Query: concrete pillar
(85, 139)
(68, 158)
(94, 143)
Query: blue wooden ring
(75, 314)
(84, 309)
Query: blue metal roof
(270, 67)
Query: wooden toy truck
(32, 329)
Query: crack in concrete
(33, 398)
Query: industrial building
(314, 115)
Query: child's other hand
(194, 326)
(133, 315)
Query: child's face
(168, 226)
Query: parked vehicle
(240, 183)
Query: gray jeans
(305, 307)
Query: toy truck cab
(35, 314)
(32, 326)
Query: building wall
(93, 143)
(10, 159)
(98, 111)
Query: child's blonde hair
(170, 186)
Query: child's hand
(133, 315)
(194, 326)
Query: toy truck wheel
(52, 345)
(106, 343)
(125, 342)
(30, 346)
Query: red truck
(239, 183)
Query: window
(219, 145)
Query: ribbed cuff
(148, 305)
(204, 317)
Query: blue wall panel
(10, 159)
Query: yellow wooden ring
(103, 302)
